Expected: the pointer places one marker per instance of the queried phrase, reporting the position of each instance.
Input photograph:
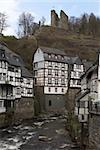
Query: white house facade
(15, 80)
(51, 73)
(89, 95)
(77, 70)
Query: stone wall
(2, 119)
(24, 109)
(70, 98)
(94, 131)
(54, 18)
(61, 22)
(55, 103)
(73, 124)
(39, 99)
(48, 102)
(6, 119)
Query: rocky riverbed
(43, 133)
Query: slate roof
(25, 72)
(87, 64)
(52, 51)
(92, 68)
(76, 60)
(69, 60)
(81, 95)
(13, 59)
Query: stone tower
(63, 22)
(54, 18)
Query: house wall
(23, 109)
(55, 103)
(70, 99)
(38, 56)
(39, 99)
(94, 132)
(76, 72)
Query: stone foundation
(55, 103)
(24, 109)
(94, 131)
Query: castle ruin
(61, 22)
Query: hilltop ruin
(59, 22)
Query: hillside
(72, 44)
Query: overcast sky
(39, 8)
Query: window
(18, 91)
(78, 66)
(49, 81)
(56, 72)
(29, 91)
(62, 58)
(21, 80)
(1, 103)
(62, 90)
(50, 103)
(4, 76)
(10, 69)
(63, 73)
(2, 53)
(35, 81)
(16, 70)
(0, 76)
(50, 64)
(49, 71)
(55, 89)
(56, 64)
(63, 65)
(49, 89)
(63, 81)
(82, 117)
(79, 82)
(3, 64)
(35, 65)
(35, 73)
(55, 56)
(0, 64)
(56, 81)
(49, 55)
(59, 56)
(11, 78)
(17, 79)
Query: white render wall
(38, 56)
(99, 79)
(52, 90)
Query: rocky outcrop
(61, 22)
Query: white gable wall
(38, 56)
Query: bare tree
(25, 24)
(3, 22)
(43, 20)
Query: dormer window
(53, 55)
(49, 55)
(62, 57)
(56, 57)
(17, 59)
(59, 56)
(50, 63)
(3, 55)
